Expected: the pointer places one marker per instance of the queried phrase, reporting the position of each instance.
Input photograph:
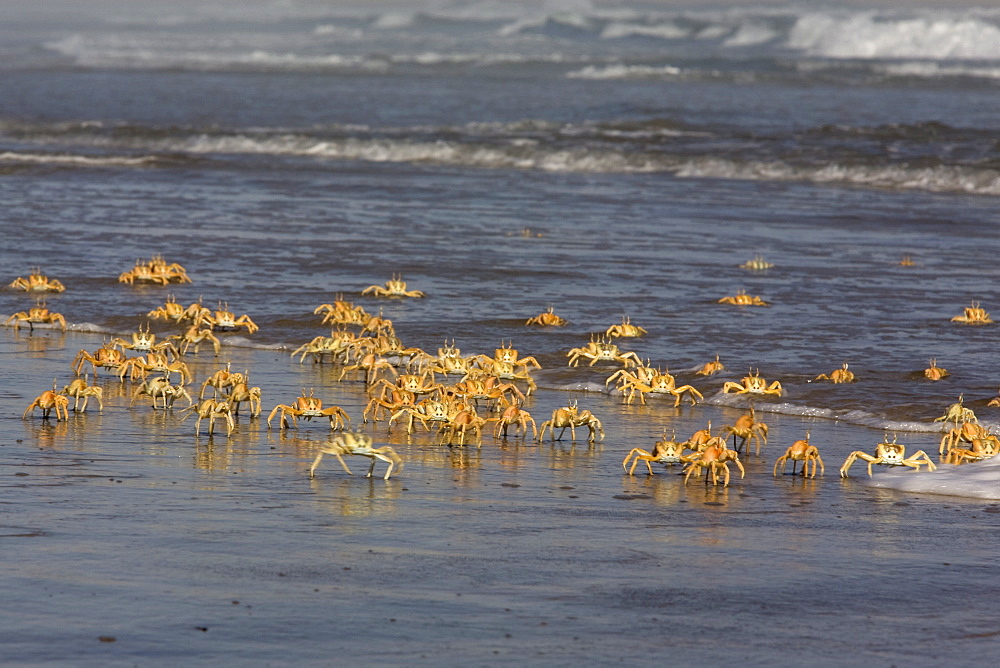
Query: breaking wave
(627, 147)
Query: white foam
(77, 160)
(668, 30)
(872, 35)
(626, 72)
(978, 480)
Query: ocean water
(607, 160)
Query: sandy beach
(130, 540)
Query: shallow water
(315, 152)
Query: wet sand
(129, 540)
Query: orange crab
(37, 282)
(888, 454)
(741, 298)
(711, 368)
(48, 401)
(801, 451)
(974, 315)
(570, 417)
(752, 384)
(547, 319)
(934, 372)
(749, 429)
(394, 287)
(714, 458)
(37, 315)
(665, 451)
(308, 407)
(841, 375)
(625, 329)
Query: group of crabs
(414, 393)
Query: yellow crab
(748, 428)
(48, 401)
(160, 388)
(194, 336)
(143, 341)
(957, 412)
(395, 287)
(625, 329)
(801, 451)
(889, 454)
(104, 357)
(37, 282)
(710, 368)
(570, 417)
(974, 315)
(356, 443)
(841, 375)
(80, 391)
(171, 310)
(659, 382)
(212, 410)
(757, 263)
(518, 417)
(37, 315)
(308, 407)
(602, 351)
(752, 384)
(934, 372)
(547, 319)
(666, 451)
(225, 320)
(714, 458)
(343, 312)
(334, 347)
(157, 270)
(741, 298)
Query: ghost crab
(157, 270)
(625, 329)
(570, 417)
(713, 459)
(160, 388)
(749, 429)
(934, 372)
(957, 412)
(80, 391)
(144, 341)
(841, 375)
(658, 382)
(757, 263)
(224, 320)
(212, 410)
(195, 336)
(710, 368)
(547, 319)
(37, 282)
(602, 350)
(666, 451)
(752, 384)
(394, 287)
(48, 401)
(356, 443)
(973, 315)
(741, 298)
(171, 310)
(308, 407)
(104, 357)
(801, 451)
(37, 315)
(888, 454)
